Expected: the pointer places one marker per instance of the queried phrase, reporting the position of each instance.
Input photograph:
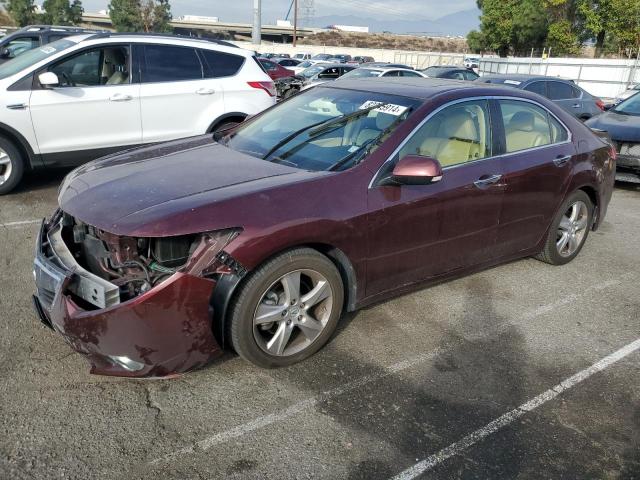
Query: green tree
(140, 15)
(125, 15)
(62, 12)
(616, 20)
(21, 11)
(562, 40)
(475, 41)
(156, 15)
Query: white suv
(85, 96)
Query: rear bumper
(162, 332)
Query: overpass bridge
(239, 31)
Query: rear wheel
(287, 310)
(11, 166)
(569, 230)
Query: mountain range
(459, 23)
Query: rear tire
(287, 310)
(569, 230)
(11, 166)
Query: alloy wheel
(5, 166)
(293, 312)
(572, 228)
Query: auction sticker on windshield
(389, 108)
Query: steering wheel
(68, 80)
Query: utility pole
(256, 34)
(295, 22)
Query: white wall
(605, 78)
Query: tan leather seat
(522, 134)
(382, 121)
(457, 140)
(114, 67)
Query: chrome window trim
(374, 179)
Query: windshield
(362, 73)
(312, 71)
(322, 129)
(630, 106)
(26, 59)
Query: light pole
(257, 22)
(295, 22)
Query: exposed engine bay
(136, 265)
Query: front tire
(287, 309)
(569, 230)
(11, 166)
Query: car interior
(102, 66)
(457, 134)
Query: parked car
(340, 197)
(385, 65)
(33, 36)
(322, 56)
(622, 123)
(304, 65)
(84, 96)
(313, 76)
(565, 93)
(472, 62)
(365, 72)
(302, 56)
(286, 62)
(632, 90)
(274, 69)
(359, 59)
(454, 73)
(340, 58)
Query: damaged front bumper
(164, 331)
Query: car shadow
(41, 180)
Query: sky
(241, 10)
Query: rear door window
(526, 125)
(537, 87)
(561, 91)
(170, 64)
(221, 64)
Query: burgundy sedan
(275, 70)
(352, 192)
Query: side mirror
(416, 170)
(48, 80)
(5, 53)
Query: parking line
(509, 417)
(294, 409)
(19, 223)
(299, 407)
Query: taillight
(268, 87)
(600, 104)
(613, 154)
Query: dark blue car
(622, 123)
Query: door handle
(560, 161)
(120, 97)
(17, 106)
(205, 91)
(487, 180)
(576, 105)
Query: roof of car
(169, 36)
(519, 77)
(446, 67)
(413, 87)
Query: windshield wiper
(344, 118)
(367, 146)
(291, 136)
(320, 127)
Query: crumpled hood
(126, 192)
(620, 127)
